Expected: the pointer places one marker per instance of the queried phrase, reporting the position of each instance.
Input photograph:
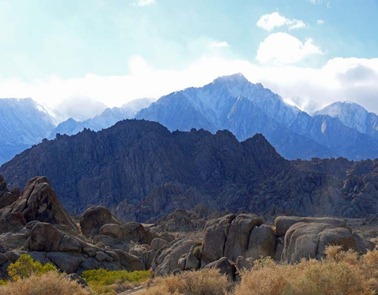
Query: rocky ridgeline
(141, 171)
(35, 222)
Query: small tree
(25, 266)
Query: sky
(86, 55)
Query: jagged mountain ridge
(143, 172)
(230, 102)
(244, 108)
(23, 123)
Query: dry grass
(204, 282)
(339, 273)
(51, 283)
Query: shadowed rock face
(141, 171)
(39, 202)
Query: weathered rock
(39, 202)
(225, 266)
(131, 262)
(112, 229)
(283, 223)
(44, 237)
(180, 221)
(262, 242)
(216, 232)
(166, 261)
(238, 234)
(134, 231)
(94, 218)
(66, 262)
(10, 241)
(69, 244)
(158, 243)
(7, 197)
(309, 240)
(12, 222)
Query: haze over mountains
(229, 102)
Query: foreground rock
(232, 243)
(37, 224)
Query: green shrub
(25, 267)
(104, 281)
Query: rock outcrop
(36, 223)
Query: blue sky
(107, 52)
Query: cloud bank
(283, 48)
(352, 79)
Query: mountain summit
(244, 108)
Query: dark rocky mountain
(142, 171)
(23, 123)
(244, 108)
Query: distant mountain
(143, 172)
(107, 118)
(23, 123)
(244, 108)
(353, 116)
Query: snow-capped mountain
(244, 108)
(352, 115)
(229, 102)
(107, 118)
(23, 123)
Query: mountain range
(143, 171)
(342, 129)
(23, 123)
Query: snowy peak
(352, 115)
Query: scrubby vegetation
(103, 281)
(204, 282)
(45, 284)
(339, 273)
(25, 267)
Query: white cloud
(143, 3)
(351, 79)
(274, 20)
(320, 22)
(283, 48)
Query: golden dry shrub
(266, 278)
(45, 284)
(340, 273)
(203, 282)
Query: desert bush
(103, 281)
(204, 282)
(25, 267)
(43, 284)
(339, 273)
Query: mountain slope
(244, 108)
(23, 123)
(143, 171)
(353, 116)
